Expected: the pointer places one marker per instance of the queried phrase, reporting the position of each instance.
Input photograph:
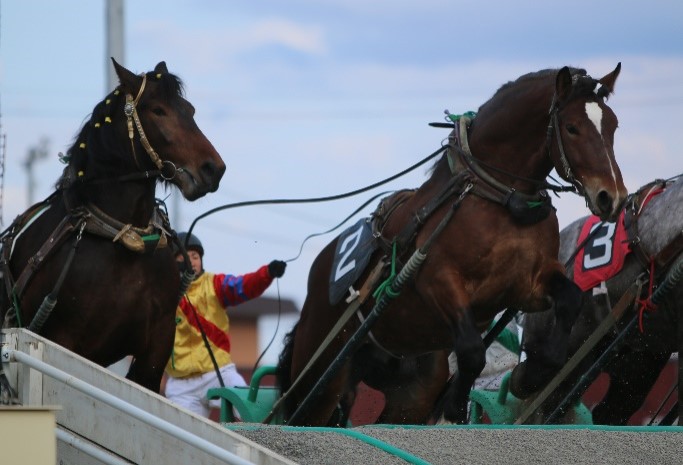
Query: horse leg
(471, 355)
(546, 350)
(332, 405)
(146, 373)
(413, 387)
(148, 363)
(332, 402)
(631, 379)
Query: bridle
(463, 121)
(130, 110)
(554, 124)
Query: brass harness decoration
(89, 218)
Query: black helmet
(192, 243)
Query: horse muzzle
(197, 183)
(606, 203)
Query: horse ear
(161, 67)
(563, 83)
(127, 78)
(607, 82)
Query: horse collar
(136, 239)
(525, 209)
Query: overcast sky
(310, 98)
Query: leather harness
(87, 217)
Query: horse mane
(582, 83)
(97, 141)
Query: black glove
(276, 268)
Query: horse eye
(158, 111)
(571, 129)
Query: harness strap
(490, 189)
(387, 207)
(603, 328)
(132, 116)
(407, 272)
(133, 238)
(364, 293)
(50, 301)
(455, 185)
(390, 286)
(631, 295)
(467, 157)
(91, 219)
(63, 229)
(632, 212)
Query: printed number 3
(599, 251)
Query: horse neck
(108, 161)
(130, 202)
(510, 141)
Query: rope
(216, 368)
(311, 236)
(385, 286)
(277, 327)
(316, 199)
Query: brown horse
(90, 267)
(490, 239)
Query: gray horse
(656, 228)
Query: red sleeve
(233, 290)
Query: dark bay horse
(492, 238)
(98, 247)
(654, 235)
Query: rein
(318, 199)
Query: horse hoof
(442, 421)
(520, 386)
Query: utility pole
(34, 155)
(115, 32)
(114, 40)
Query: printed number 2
(350, 243)
(599, 250)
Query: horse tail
(283, 372)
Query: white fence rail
(112, 420)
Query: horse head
(583, 126)
(163, 119)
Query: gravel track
(473, 445)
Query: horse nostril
(212, 173)
(604, 202)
